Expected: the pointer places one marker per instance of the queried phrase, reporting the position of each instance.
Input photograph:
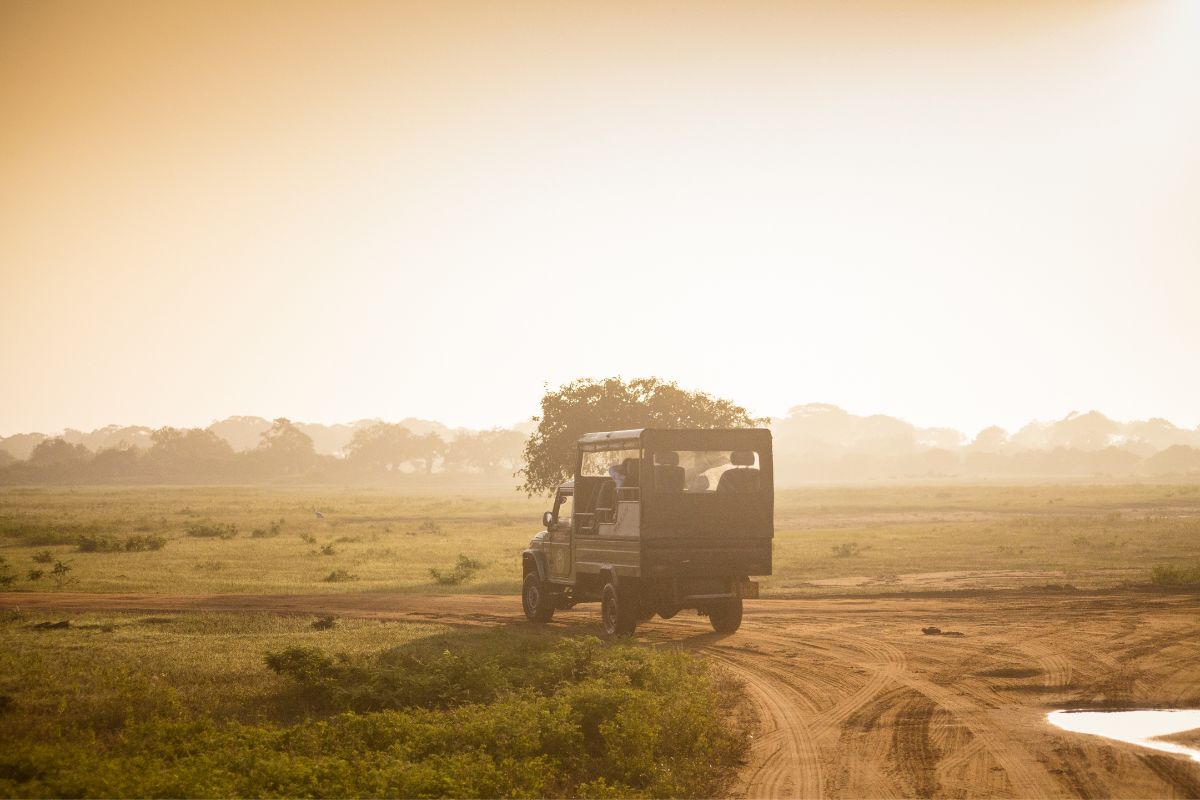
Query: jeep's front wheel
(536, 599)
(618, 611)
(726, 617)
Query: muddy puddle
(1143, 727)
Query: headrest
(630, 466)
(667, 459)
(742, 458)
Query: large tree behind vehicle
(588, 405)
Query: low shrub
(428, 526)
(462, 715)
(62, 574)
(340, 576)
(271, 531)
(44, 557)
(462, 571)
(845, 550)
(131, 544)
(35, 532)
(1169, 575)
(212, 530)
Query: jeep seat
(743, 477)
(606, 502)
(668, 475)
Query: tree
(116, 463)
(189, 453)
(1177, 459)
(611, 404)
(381, 447)
(285, 449)
(493, 451)
(429, 447)
(56, 451)
(189, 444)
(990, 440)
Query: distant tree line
(813, 443)
(378, 452)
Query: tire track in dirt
(915, 755)
(785, 758)
(965, 705)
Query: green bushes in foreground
(492, 714)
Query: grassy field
(879, 538)
(248, 705)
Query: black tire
(536, 598)
(726, 617)
(618, 611)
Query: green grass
(233, 705)
(882, 538)
(389, 542)
(866, 538)
(1176, 575)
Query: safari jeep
(654, 522)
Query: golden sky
(959, 213)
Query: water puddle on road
(1142, 727)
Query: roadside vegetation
(235, 705)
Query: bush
(212, 530)
(131, 544)
(268, 532)
(1167, 575)
(44, 557)
(464, 569)
(845, 550)
(62, 574)
(462, 715)
(340, 576)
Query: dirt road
(855, 701)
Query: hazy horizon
(450, 425)
(956, 214)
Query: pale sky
(959, 213)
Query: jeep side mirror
(548, 519)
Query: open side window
(706, 471)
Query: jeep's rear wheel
(726, 617)
(618, 611)
(536, 598)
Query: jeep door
(559, 538)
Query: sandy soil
(854, 701)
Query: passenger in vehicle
(617, 473)
(744, 475)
